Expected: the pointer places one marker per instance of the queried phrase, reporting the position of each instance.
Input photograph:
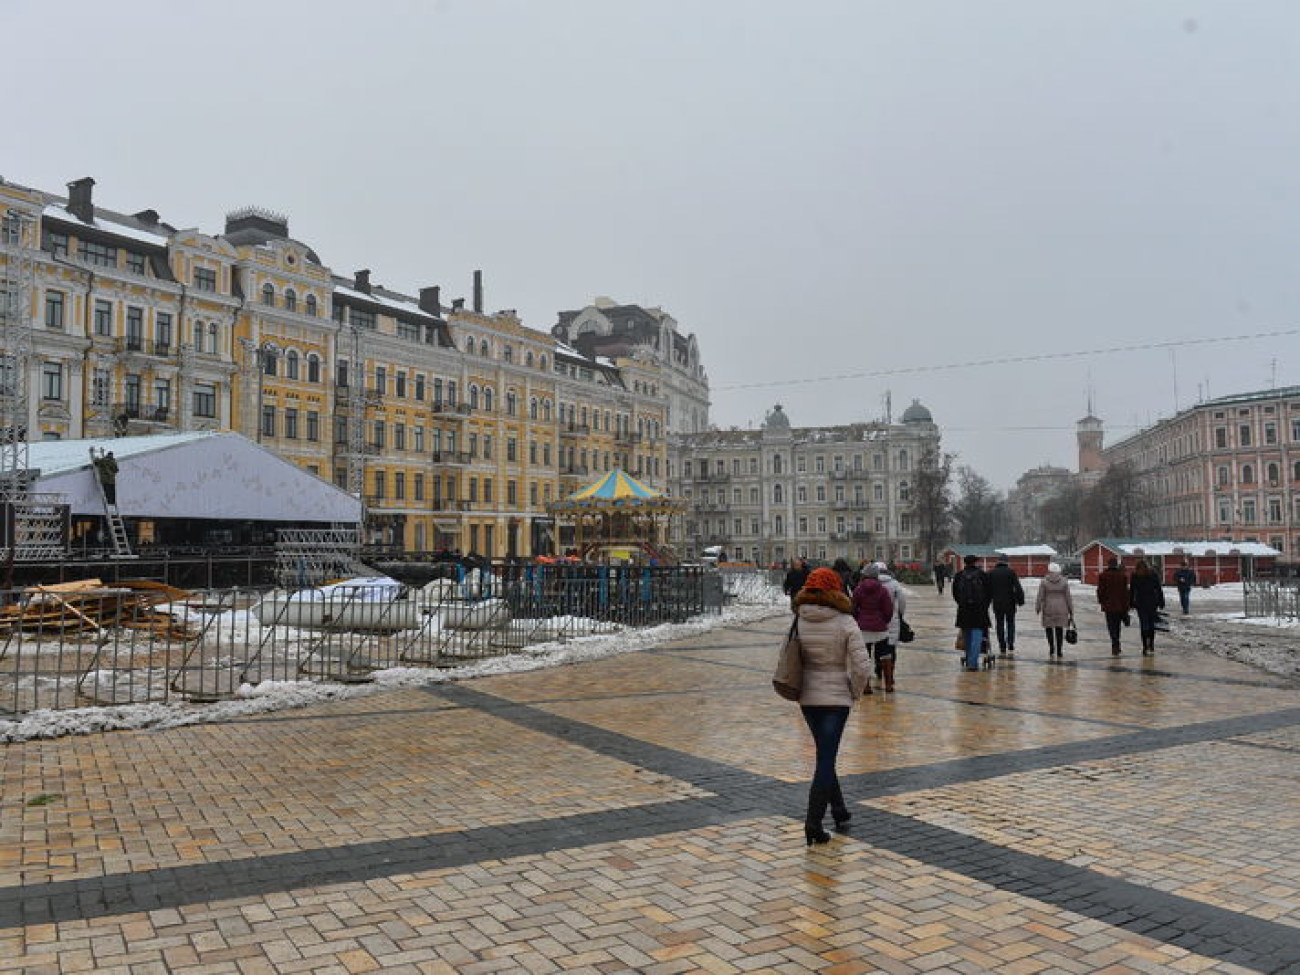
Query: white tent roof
(218, 476)
(1199, 548)
(1028, 550)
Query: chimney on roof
(80, 204)
(457, 304)
(431, 300)
(362, 281)
(149, 218)
(478, 292)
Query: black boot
(812, 824)
(839, 811)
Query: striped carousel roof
(617, 485)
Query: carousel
(616, 518)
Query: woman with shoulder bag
(835, 672)
(1056, 608)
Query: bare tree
(1112, 507)
(979, 508)
(1061, 517)
(930, 500)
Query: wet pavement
(642, 813)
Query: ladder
(116, 527)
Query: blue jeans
(1185, 599)
(1005, 621)
(974, 641)
(827, 726)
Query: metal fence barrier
(104, 647)
(1279, 598)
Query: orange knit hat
(825, 580)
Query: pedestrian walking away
(1148, 597)
(1184, 579)
(832, 648)
(1113, 596)
(1055, 608)
(886, 651)
(873, 609)
(1008, 596)
(794, 579)
(940, 574)
(970, 591)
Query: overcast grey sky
(817, 189)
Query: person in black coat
(1007, 595)
(1184, 579)
(795, 578)
(1147, 596)
(970, 591)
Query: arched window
(902, 460)
(532, 408)
(290, 299)
(546, 410)
(268, 295)
(473, 397)
(290, 361)
(469, 345)
(311, 305)
(528, 359)
(1247, 474)
(313, 368)
(487, 398)
(511, 403)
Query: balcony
(573, 470)
(860, 536)
(717, 477)
(574, 430)
(839, 475)
(455, 410)
(141, 412)
(627, 437)
(451, 457)
(444, 504)
(350, 395)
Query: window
(135, 329)
(362, 319)
(399, 384)
(268, 421)
(268, 295)
(132, 394)
(1273, 474)
(1248, 511)
(290, 299)
(162, 399)
(487, 398)
(291, 364)
(473, 397)
(311, 305)
(418, 445)
(418, 484)
(777, 494)
(381, 379)
(56, 243)
(1270, 433)
(511, 403)
(100, 254)
(54, 309)
(269, 360)
(205, 400)
(313, 425)
(313, 368)
(419, 388)
(484, 349)
(803, 525)
(399, 436)
(52, 380)
(378, 437)
(1247, 474)
(399, 485)
(512, 449)
(162, 330)
(205, 279)
(99, 386)
(512, 493)
(1243, 435)
(1223, 476)
(103, 318)
(291, 423)
(801, 494)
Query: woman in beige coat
(835, 672)
(1055, 606)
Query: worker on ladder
(106, 470)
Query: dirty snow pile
(278, 695)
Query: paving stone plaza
(642, 813)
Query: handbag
(905, 632)
(1071, 634)
(787, 681)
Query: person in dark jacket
(970, 591)
(1184, 579)
(1113, 595)
(1007, 595)
(846, 574)
(795, 578)
(940, 574)
(1147, 596)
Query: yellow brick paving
(1215, 822)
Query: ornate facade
(455, 425)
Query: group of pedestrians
(1120, 595)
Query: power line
(1012, 360)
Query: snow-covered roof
(1027, 550)
(407, 307)
(221, 476)
(1200, 548)
(108, 226)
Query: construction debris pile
(91, 605)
